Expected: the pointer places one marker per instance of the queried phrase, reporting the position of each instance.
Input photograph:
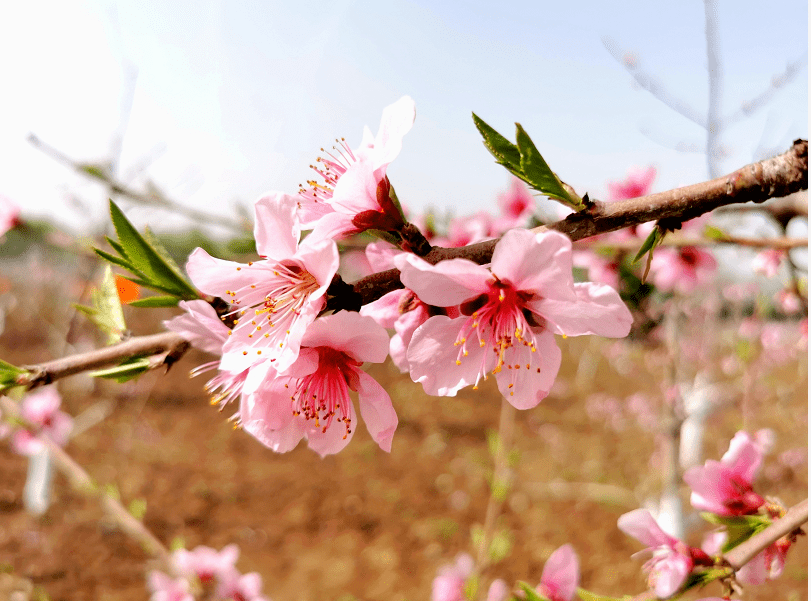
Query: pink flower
(671, 561)
(356, 194)
(509, 316)
(681, 269)
(766, 565)
(9, 214)
(41, 409)
(449, 584)
(725, 487)
(276, 298)
(767, 262)
(601, 269)
(307, 400)
(561, 575)
(234, 586)
(517, 206)
(165, 588)
(788, 301)
(204, 329)
(402, 311)
(205, 563)
(637, 183)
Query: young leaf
(9, 374)
(106, 310)
(652, 241)
(538, 174)
(155, 301)
(131, 368)
(147, 262)
(114, 260)
(530, 593)
(506, 152)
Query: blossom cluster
(205, 573)
(725, 490)
(40, 410)
(291, 366)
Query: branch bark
(168, 345)
(757, 182)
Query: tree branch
(168, 346)
(757, 182)
(746, 551)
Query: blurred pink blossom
(671, 561)
(234, 586)
(449, 584)
(9, 214)
(725, 487)
(517, 206)
(767, 262)
(788, 301)
(205, 563)
(41, 409)
(637, 182)
(165, 588)
(682, 269)
(561, 575)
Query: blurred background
(194, 109)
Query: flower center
(323, 395)
(330, 169)
(276, 302)
(498, 318)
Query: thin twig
(715, 77)
(168, 346)
(746, 551)
(782, 243)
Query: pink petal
(539, 262)
(200, 325)
(445, 284)
(215, 276)
(432, 357)
(356, 190)
(386, 310)
(640, 524)
(268, 408)
(670, 574)
(332, 226)
(321, 260)
(396, 122)
(381, 255)
(358, 336)
(530, 385)
(376, 410)
(598, 310)
(275, 228)
(561, 573)
(744, 457)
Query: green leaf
(505, 152)
(530, 592)
(9, 374)
(114, 260)
(538, 174)
(117, 247)
(146, 260)
(98, 171)
(132, 368)
(159, 248)
(105, 311)
(714, 233)
(653, 240)
(137, 508)
(155, 301)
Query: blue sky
(233, 99)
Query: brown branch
(632, 245)
(168, 347)
(746, 551)
(757, 182)
(81, 481)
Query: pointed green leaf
(155, 301)
(146, 259)
(505, 152)
(126, 371)
(114, 260)
(98, 171)
(116, 246)
(159, 248)
(652, 241)
(538, 174)
(9, 374)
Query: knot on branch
(342, 296)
